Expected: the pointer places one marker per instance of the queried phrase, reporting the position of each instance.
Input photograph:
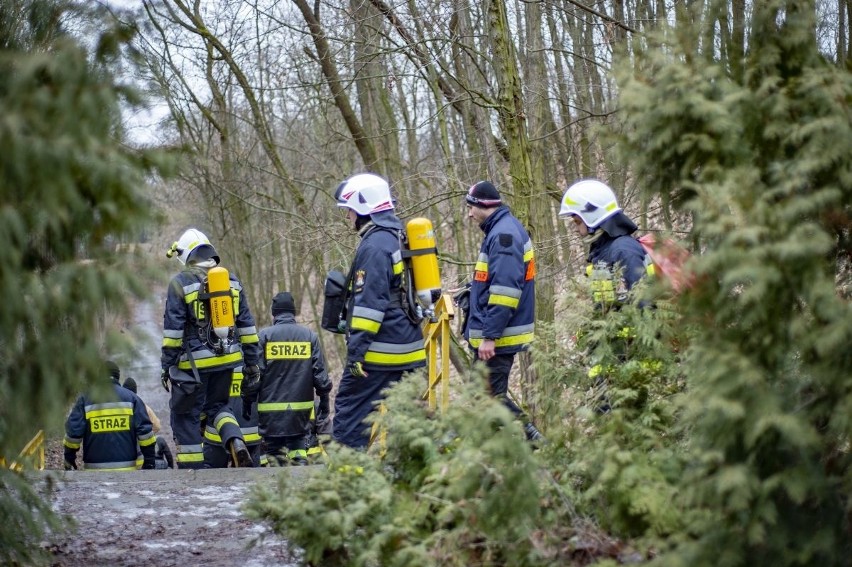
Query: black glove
(322, 410)
(251, 381)
(165, 380)
(70, 460)
(249, 388)
(356, 369)
(250, 385)
(148, 464)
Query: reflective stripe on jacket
(110, 430)
(502, 294)
(185, 314)
(378, 332)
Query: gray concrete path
(164, 518)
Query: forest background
(726, 123)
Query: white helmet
(365, 193)
(193, 240)
(591, 200)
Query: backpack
(338, 287)
(669, 258)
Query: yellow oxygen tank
(221, 302)
(424, 261)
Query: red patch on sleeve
(530, 270)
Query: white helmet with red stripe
(365, 193)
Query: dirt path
(164, 518)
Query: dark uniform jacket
(616, 262)
(293, 367)
(110, 430)
(185, 324)
(502, 294)
(379, 332)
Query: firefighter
(616, 263)
(109, 429)
(292, 372)
(214, 452)
(191, 344)
(383, 336)
(501, 322)
(616, 260)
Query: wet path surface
(164, 518)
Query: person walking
(501, 322)
(616, 263)
(109, 427)
(191, 344)
(383, 338)
(292, 373)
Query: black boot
(533, 434)
(240, 453)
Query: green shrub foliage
(70, 192)
(763, 163)
(615, 451)
(456, 488)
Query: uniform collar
(284, 318)
(365, 229)
(501, 211)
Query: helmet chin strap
(361, 220)
(593, 235)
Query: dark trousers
(217, 457)
(356, 398)
(499, 367)
(210, 400)
(287, 449)
(187, 435)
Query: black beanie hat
(130, 384)
(113, 370)
(483, 194)
(283, 303)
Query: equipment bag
(335, 302)
(184, 390)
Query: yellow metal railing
(436, 338)
(31, 454)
